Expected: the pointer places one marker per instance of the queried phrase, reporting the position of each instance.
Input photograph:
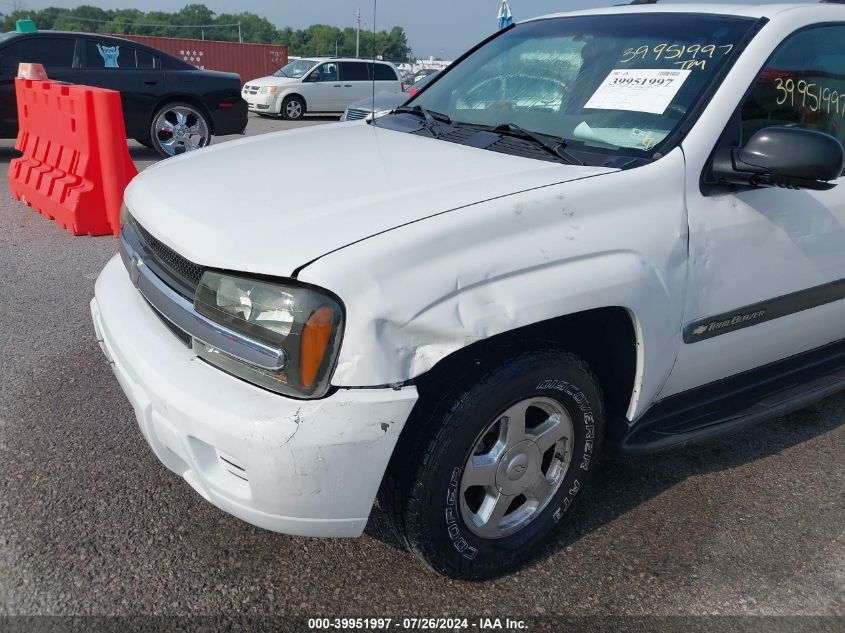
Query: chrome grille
(160, 287)
(251, 90)
(177, 272)
(354, 114)
(181, 334)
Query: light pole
(358, 34)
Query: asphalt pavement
(92, 524)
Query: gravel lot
(92, 524)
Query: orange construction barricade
(75, 164)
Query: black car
(168, 104)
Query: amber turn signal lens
(315, 341)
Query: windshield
(295, 69)
(606, 82)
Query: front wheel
(293, 108)
(487, 473)
(178, 128)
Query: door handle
(151, 82)
(348, 86)
(338, 86)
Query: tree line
(199, 22)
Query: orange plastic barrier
(75, 164)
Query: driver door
(324, 88)
(767, 265)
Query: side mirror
(789, 157)
(312, 78)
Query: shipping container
(248, 60)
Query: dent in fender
(427, 289)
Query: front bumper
(261, 103)
(305, 467)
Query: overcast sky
(439, 28)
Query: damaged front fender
(418, 293)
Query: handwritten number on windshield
(675, 51)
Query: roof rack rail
(647, 1)
(832, 1)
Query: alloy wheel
(293, 109)
(515, 467)
(181, 129)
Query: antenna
(373, 65)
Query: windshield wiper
(556, 148)
(432, 119)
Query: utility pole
(358, 34)
(240, 36)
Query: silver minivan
(319, 85)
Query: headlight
(304, 322)
(269, 90)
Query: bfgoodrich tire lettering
(423, 492)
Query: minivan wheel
(485, 475)
(178, 128)
(293, 108)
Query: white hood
(273, 203)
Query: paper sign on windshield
(638, 90)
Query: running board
(734, 403)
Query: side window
(51, 52)
(354, 71)
(327, 72)
(802, 85)
(146, 61)
(384, 72)
(108, 55)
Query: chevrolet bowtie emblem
(134, 269)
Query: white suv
(638, 244)
(319, 84)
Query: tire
(146, 142)
(428, 490)
(178, 127)
(293, 108)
